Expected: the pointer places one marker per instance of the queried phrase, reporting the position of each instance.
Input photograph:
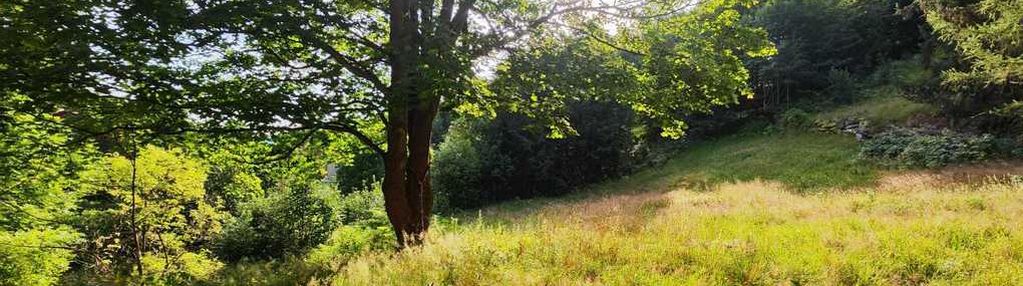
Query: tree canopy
(299, 67)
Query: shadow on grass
(802, 162)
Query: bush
(154, 206)
(796, 118)
(841, 86)
(458, 167)
(362, 172)
(232, 187)
(910, 148)
(286, 223)
(34, 257)
(365, 228)
(349, 242)
(362, 208)
(508, 158)
(185, 269)
(37, 194)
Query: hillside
(793, 208)
(511, 142)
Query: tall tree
(303, 66)
(985, 80)
(987, 33)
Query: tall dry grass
(750, 233)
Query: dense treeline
(486, 161)
(192, 175)
(829, 53)
(819, 50)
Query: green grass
(800, 161)
(740, 224)
(885, 107)
(732, 212)
(753, 233)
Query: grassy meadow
(881, 108)
(730, 212)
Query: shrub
(910, 148)
(233, 187)
(154, 206)
(796, 118)
(458, 167)
(286, 223)
(364, 170)
(349, 242)
(34, 257)
(185, 269)
(841, 86)
(508, 158)
(363, 208)
(905, 74)
(37, 194)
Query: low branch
(358, 135)
(290, 151)
(346, 61)
(602, 40)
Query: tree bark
(413, 105)
(407, 195)
(395, 161)
(418, 187)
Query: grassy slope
(732, 212)
(882, 110)
(801, 161)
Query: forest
(511, 142)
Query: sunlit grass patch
(748, 220)
(800, 161)
(883, 108)
(754, 233)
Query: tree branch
(287, 153)
(602, 40)
(346, 61)
(358, 135)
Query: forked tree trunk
(408, 198)
(395, 162)
(417, 177)
(412, 107)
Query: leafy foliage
(148, 212)
(796, 118)
(35, 257)
(38, 179)
(987, 33)
(664, 68)
(482, 162)
(462, 159)
(249, 101)
(285, 223)
(981, 83)
(234, 187)
(908, 148)
(820, 41)
(37, 172)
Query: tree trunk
(418, 187)
(407, 195)
(395, 161)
